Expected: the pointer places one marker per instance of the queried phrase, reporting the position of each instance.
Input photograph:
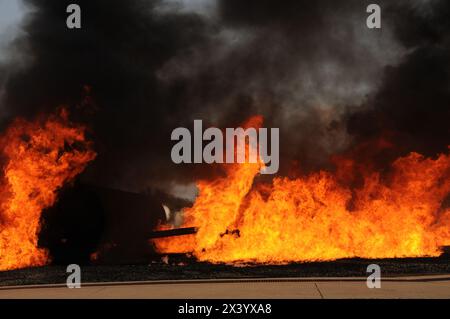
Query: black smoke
(106, 73)
(412, 105)
(138, 69)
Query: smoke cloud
(138, 69)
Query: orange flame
(40, 157)
(317, 217)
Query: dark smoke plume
(412, 105)
(115, 56)
(138, 69)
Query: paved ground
(436, 287)
(182, 268)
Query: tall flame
(39, 158)
(318, 216)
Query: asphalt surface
(182, 269)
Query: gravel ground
(175, 268)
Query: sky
(11, 13)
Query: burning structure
(363, 117)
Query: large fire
(38, 158)
(400, 213)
